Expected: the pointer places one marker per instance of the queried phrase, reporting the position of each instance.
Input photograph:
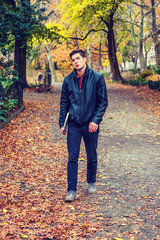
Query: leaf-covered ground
(33, 161)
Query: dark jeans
(75, 134)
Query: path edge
(14, 115)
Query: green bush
(133, 82)
(5, 106)
(135, 70)
(143, 82)
(157, 70)
(151, 67)
(145, 74)
(154, 85)
(7, 103)
(104, 73)
(8, 97)
(138, 82)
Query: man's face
(78, 61)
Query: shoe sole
(69, 200)
(92, 191)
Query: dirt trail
(129, 169)
(129, 150)
(33, 177)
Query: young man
(84, 96)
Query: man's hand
(62, 131)
(93, 127)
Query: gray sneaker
(70, 196)
(91, 188)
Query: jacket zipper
(81, 103)
(80, 107)
(80, 99)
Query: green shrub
(154, 85)
(150, 67)
(135, 70)
(138, 82)
(145, 74)
(105, 74)
(143, 82)
(8, 96)
(157, 70)
(133, 82)
(5, 106)
(3, 111)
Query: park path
(129, 168)
(33, 173)
(129, 150)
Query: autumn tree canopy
(21, 20)
(91, 16)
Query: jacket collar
(86, 71)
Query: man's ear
(85, 59)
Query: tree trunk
(134, 38)
(155, 34)
(99, 59)
(20, 53)
(47, 76)
(116, 76)
(141, 54)
(30, 66)
(51, 64)
(30, 69)
(76, 44)
(20, 60)
(89, 56)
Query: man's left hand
(93, 127)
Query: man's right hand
(62, 131)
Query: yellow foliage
(155, 77)
(105, 62)
(61, 55)
(119, 57)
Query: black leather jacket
(87, 104)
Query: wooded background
(40, 34)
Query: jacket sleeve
(101, 101)
(64, 104)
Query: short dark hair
(80, 51)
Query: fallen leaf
(24, 236)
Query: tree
(155, 33)
(22, 19)
(99, 15)
(61, 56)
(132, 20)
(146, 21)
(141, 39)
(51, 64)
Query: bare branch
(151, 34)
(147, 7)
(140, 5)
(127, 21)
(92, 30)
